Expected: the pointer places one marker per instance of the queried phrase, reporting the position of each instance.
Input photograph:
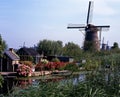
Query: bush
(91, 65)
(72, 67)
(49, 66)
(27, 63)
(44, 61)
(55, 60)
(24, 70)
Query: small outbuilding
(10, 61)
(29, 54)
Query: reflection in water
(22, 83)
(79, 78)
(10, 83)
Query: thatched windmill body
(91, 41)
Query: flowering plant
(50, 66)
(24, 70)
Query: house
(28, 54)
(10, 61)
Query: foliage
(41, 65)
(27, 63)
(50, 66)
(57, 65)
(24, 70)
(90, 46)
(49, 47)
(26, 57)
(96, 84)
(44, 61)
(91, 64)
(3, 45)
(71, 49)
(72, 67)
(115, 46)
(1, 81)
(104, 82)
(55, 60)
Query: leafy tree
(71, 49)
(3, 46)
(115, 46)
(49, 47)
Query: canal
(12, 82)
(105, 80)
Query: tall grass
(95, 85)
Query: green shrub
(72, 67)
(91, 65)
(55, 60)
(27, 63)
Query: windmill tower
(91, 41)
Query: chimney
(11, 49)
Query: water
(7, 85)
(10, 83)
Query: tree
(71, 49)
(115, 46)
(3, 46)
(49, 47)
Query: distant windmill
(91, 37)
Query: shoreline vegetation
(95, 85)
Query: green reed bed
(96, 84)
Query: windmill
(91, 40)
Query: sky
(26, 22)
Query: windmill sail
(76, 26)
(90, 12)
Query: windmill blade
(71, 26)
(82, 29)
(90, 12)
(103, 28)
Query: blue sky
(29, 21)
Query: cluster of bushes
(56, 66)
(26, 67)
(49, 66)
